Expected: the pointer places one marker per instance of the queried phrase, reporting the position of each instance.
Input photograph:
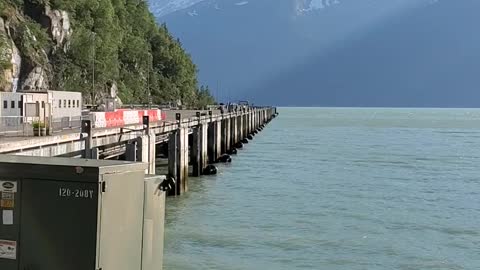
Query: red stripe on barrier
(152, 114)
(119, 117)
(114, 119)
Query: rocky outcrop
(27, 67)
(60, 28)
(10, 59)
(108, 100)
(37, 80)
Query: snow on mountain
(241, 3)
(164, 7)
(318, 4)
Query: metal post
(199, 116)
(146, 123)
(93, 68)
(178, 117)
(86, 132)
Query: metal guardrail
(21, 127)
(18, 126)
(15, 126)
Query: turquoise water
(339, 189)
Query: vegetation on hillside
(113, 42)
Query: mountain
(334, 52)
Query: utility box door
(9, 220)
(154, 223)
(121, 221)
(58, 225)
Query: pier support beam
(242, 119)
(183, 158)
(95, 153)
(178, 160)
(245, 125)
(214, 141)
(152, 152)
(218, 140)
(195, 151)
(252, 121)
(204, 146)
(240, 128)
(173, 160)
(199, 149)
(233, 130)
(211, 143)
(226, 135)
(249, 122)
(131, 151)
(147, 151)
(228, 130)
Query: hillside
(94, 46)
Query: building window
(20, 104)
(5, 104)
(78, 103)
(12, 104)
(59, 103)
(69, 103)
(43, 104)
(64, 103)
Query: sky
(387, 53)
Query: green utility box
(75, 214)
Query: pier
(190, 140)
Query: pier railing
(19, 126)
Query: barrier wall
(121, 118)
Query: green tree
(113, 41)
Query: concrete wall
(10, 110)
(65, 104)
(10, 104)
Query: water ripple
(338, 189)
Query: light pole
(149, 64)
(93, 68)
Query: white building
(60, 108)
(10, 109)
